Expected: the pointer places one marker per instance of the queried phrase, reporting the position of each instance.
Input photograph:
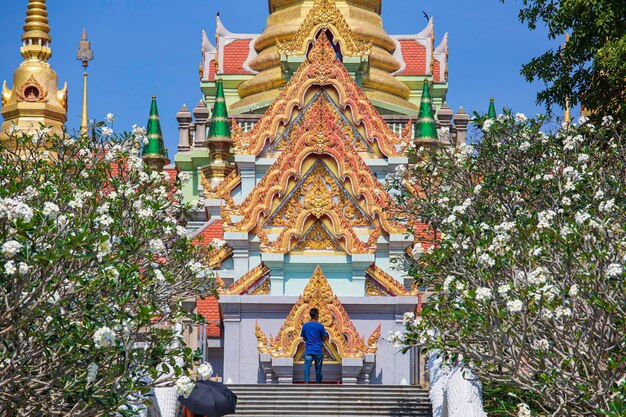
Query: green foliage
(94, 266)
(500, 400)
(591, 70)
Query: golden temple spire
(85, 54)
(35, 98)
(567, 114)
(36, 38)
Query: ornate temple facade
(308, 121)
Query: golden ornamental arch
(343, 335)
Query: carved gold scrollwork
(323, 15)
(32, 91)
(333, 316)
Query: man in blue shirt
(314, 335)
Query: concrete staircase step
(331, 400)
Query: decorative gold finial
(36, 38)
(35, 98)
(85, 54)
(567, 114)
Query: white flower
(110, 117)
(107, 131)
(218, 243)
(61, 221)
(24, 268)
(503, 290)
(607, 205)
(562, 312)
(599, 195)
(111, 272)
(408, 318)
(581, 218)
(607, 120)
(14, 130)
(184, 177)
(545, 217)
(514, 306)
(397, 338)
(524, 146)
(181, 231)
(483, 294)
(573, 291)
(614, 270)
(520, 117)
(450, 219)
(446, 283)
(487, 260)
(139, 131)
(478, 188)
(583, 120)
(11, 248)
(92, 372)
(542, 344)
(417, 251)
(537, 276)
(103, 249)
(9, 268)
(49, 208)
(104, 338)
(104, 221)
(159, 275)
(145, 213)
(583, 157)
(566, 201)
(156, 246)
(205, 371)
(487, 125)
(184, 386)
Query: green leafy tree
(527, 271)
(591, 69)
(94, 267)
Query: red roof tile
(212, 70)
(414, 55)
(235, 55)
(210, 309)
(437, 71)
(213, 231)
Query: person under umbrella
(210, 399)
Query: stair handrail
(455, 391)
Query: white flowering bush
(527, 272)
(94, 266)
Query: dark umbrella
(210, 399)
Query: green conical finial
(426, 127)
(492, 110)
(154, 150)
(219, 130)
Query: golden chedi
(357, 28)
(35, 99)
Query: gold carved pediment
(325, 15)
(334, 317)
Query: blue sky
(152, 47)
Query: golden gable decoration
(344, 338)
(254, 282)
(322, 68)
(325, 15)
(379, 283)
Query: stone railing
(454, 392)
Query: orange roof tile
(235, 55)
(210, 310)
(213, 231)
(414, 55)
